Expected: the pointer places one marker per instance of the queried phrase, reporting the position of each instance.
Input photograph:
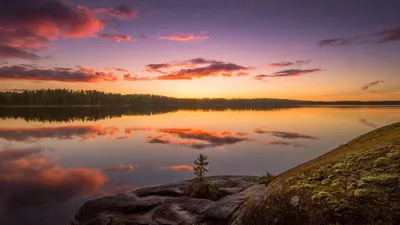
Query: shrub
(381, 161)
(200, 187)
(205, 190)
(382, 179)
(265, 179)
(362, 192)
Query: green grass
(204, 189)
(356, 183)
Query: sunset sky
(308, 49)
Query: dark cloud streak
(389, 35)
(285, 64)
(384, 36)
(116, 37)
(335, 42)
(61, 133)
(287, 73)
(124, 11)
(21, 72)
(283, 134)
(13, 52)
(285, 143)
(372, 84)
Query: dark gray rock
(170, 204)
(224, 208)
(183, 210)
(177, 189)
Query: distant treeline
(66, 97)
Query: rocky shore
(356, 183)
(171, 204)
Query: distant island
(80, 98)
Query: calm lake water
(50, 166)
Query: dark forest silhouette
(66, 97)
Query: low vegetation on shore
(357, 183)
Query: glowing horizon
(244, 49)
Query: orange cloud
(178, 36)
(179, 168)
(129, 77)
(190, 137)
(31, 179)
(212, 137)
(129, 130)
(81, 74)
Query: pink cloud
(179, 168)
(28, 26)
(116, 37)
(178, 36)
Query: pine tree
(200, 167)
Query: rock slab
(170, 204)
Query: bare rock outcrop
(171, 204)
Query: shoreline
(247, 200)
